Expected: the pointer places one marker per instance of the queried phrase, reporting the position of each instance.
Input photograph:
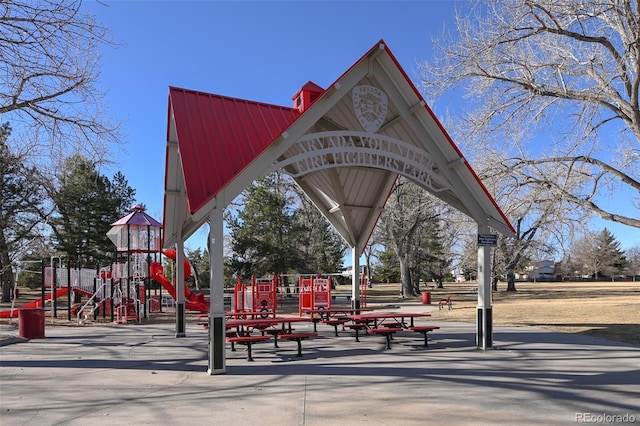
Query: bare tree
(407, 214)
(554, 84)
(633, 259)
(542, 220)
(49, 57)
(49, 69)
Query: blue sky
(262, 50)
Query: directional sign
(487, 240)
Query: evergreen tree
(264, 233)
(613, 258)
(87, 204)
(431, 254)
(323, 248)
(388, 268)
(598, 255)
(199, 260)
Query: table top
(237, 314)
(265, 321)
(390, 315)
(335, 311)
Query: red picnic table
(379, 318)
(333, 316)
(388, 323)
(244, 328)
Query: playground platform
(142, 374)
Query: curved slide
(38, 303)
(193, 301)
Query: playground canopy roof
(137, 217)
(217, 146)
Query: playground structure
(123, 290)
(194, 301)
(138, 239)
(314, 293)
(260, 297)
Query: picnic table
(380, 318)
(389, 323)
(246, 326)
(333, 316)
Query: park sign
(487, 240)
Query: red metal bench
(248, 341)
(387, 332)
(424, 329)
(445, 302)
(335, 322)
(298, 337)
(357, 327)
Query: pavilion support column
(355, 277)
(217, 361)
(484, 322)
(181, 315)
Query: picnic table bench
(298, 337)
(248, 341)
(387, 332)
(357, 326)
(424, 329)
(335, 322)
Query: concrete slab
(142, 374)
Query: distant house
(544, 270)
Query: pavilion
(344, 146)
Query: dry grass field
(603, 309)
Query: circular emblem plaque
(370, 105)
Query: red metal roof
(219, 136)
(212, 140)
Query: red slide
(194, 302)
(38, 303)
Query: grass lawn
(603, 309)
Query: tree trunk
(511, 281)
(415, 282)
(6, 273)
(405, 279)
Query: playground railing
(91, 299)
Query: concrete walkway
(142, 374)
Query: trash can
(31, 323)
(426, 297)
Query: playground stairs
(127, 312)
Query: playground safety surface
(143, 374)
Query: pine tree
(598, 255)
(323, 248)
(387, 269)
(87, 204)
(264, 234)
(613, 260)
